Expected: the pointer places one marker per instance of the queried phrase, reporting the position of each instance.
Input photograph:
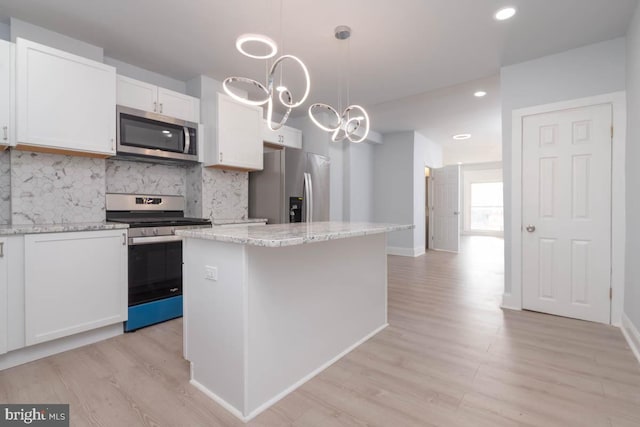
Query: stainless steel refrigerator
(292, 187)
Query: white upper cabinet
(178, 105)
(7, 94)
(147, 97)
(64, 102)
(236, 142)
(284, 137)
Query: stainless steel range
(155, 254)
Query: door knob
(530, 228)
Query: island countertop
(279, 235)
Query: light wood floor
(450, 357)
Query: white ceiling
(398, 48)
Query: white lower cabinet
(4, 302)
(74, 282)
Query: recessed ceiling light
(459, 163)
(505, 13)
(479, 94)
(461, 136)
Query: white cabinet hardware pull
(155, 107)
(161, 107)
(1, 249)
(124, 239)
(5, 132)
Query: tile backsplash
(124, 176)
(217, 194)
(40, 188)
(5, 187)
(56, 189)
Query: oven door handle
(153, 239)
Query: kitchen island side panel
(308, 304)
(215, 319)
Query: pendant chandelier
(345, 125)
(284, 97)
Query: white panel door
(64, 101)
(566, 212)
(74, 282)
(136, 94)
(178, 105)
(446, 208)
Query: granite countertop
(237, 221)
(278, 235)
(60, 228)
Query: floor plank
(450, 357)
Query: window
(486, 206)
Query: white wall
(399, 187)
(5, 31)
(632, 276)
(590, 70)
(359, 195)
(56, 40)
(393, 183)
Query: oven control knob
(155, 231)
(143, 232)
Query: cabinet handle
(124, 239)
(155, 107)
(161, 107)
(281, 138)
(5, 132)
(221, 157)
(1, 249)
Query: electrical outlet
(211, 273)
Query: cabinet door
(64, 102)
(136, 94)
(74, 282)
(7, 94)
(178, 105)
(239, 141)
(4, 300)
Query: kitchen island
(266, 308)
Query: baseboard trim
(266, 405)
(631, 334)
(45, 349)
(509, 303)
(220, 401)
(399, 251)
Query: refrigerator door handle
(310, 198)
(307, 198)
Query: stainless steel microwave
(155, 136)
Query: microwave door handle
(187, 140)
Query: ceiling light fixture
(343, 126)
(284, 95)
(243, 39)
(505, 13)
(461, 136)
(479, 94)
